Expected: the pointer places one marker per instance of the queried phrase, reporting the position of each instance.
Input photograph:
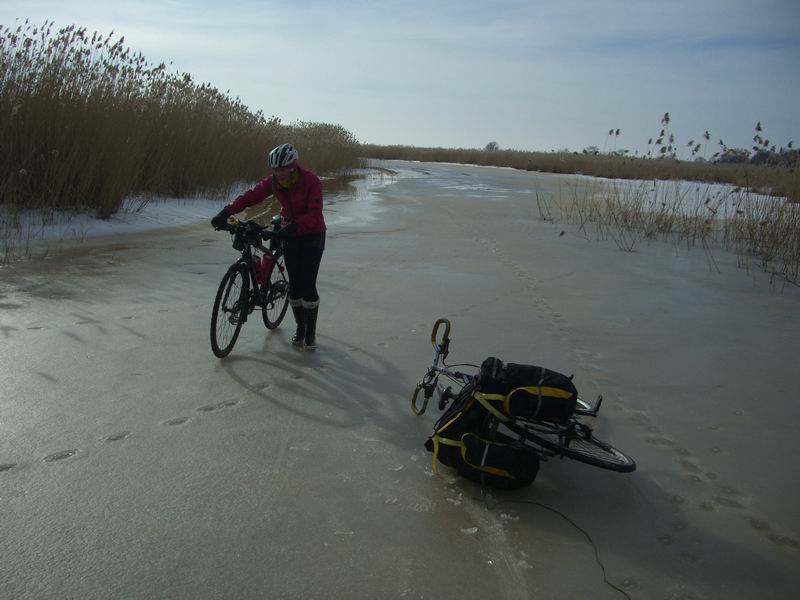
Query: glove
(287, 231)
(221, 219)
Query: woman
(300, 195)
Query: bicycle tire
(577, 445)
(230, 309)
(277, 302)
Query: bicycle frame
(239, 292)
(249, 259)
(430, 384)
(430, 381)
(571, 437)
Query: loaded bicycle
(500, 422)
(256, 279)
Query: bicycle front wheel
(277, 301)
(578, 445)
(230, 309)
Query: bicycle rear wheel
(277, 301)
(574, 443)
(230, 309)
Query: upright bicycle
(484, 422)
(256, 279)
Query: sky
(528, 75)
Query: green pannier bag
(527, 391)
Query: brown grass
(87, 123)
(763, 232)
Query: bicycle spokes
(235, 312)
(277, 291)
(229, 311)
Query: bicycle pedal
(262, 298)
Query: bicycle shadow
(637, 526)
(644, 532)
(340, 386)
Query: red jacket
(301, 204)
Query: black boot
(310, 341)
(299, 318)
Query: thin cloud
(529, 74)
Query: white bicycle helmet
(282, 156)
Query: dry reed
(87, 123)
(762, 231)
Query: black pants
(303, 255)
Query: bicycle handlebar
(414, 409)
(233, 225)
(444, 347)
(429, 382)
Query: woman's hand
(287, 230)
(221, 219)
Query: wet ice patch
(423, 505)
(507, 517)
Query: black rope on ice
(568, 520)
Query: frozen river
(134, 464)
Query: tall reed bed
(763, 231)
(86, 122)
(776, 180)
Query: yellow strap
(484, 468)
(484, 400)
(454, 419)
(544, 391)
(537, 391)
(437, 439)
(450, 422)
(447, 442)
